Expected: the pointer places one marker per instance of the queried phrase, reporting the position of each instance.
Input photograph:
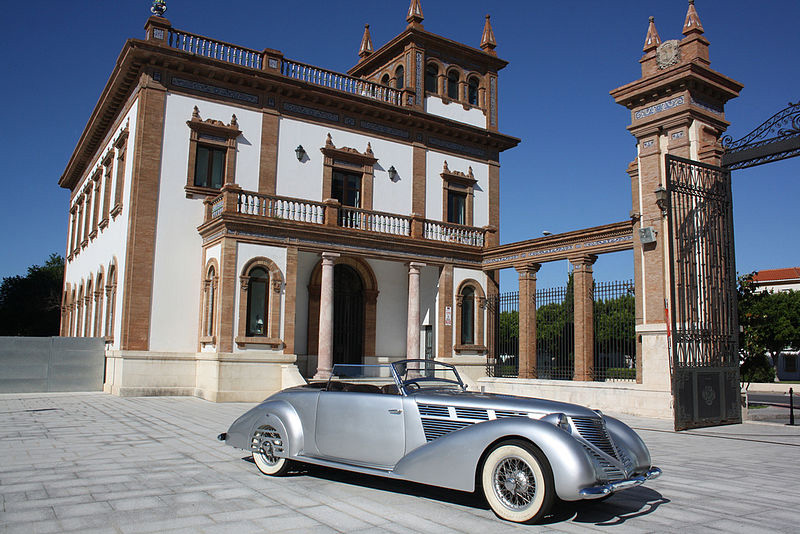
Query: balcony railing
(340, 82)
(203, 46)
(330, 213)
(247, 57)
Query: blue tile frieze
(658, 108)
(214, 90)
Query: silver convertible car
(415, 420)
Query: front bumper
(598, 492)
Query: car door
(360, 428)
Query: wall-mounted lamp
(392, 173)
(661, 199)
(300, 152)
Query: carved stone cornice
(366, 158)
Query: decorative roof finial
(366, 43)
(158, 8)
(415, 15)
(692, 24)
(652, 40)
(488, 44)
(196, 113)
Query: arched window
(98, 306)
(399, 75)
(467, 316)
(209, 305)
(257, 302)
(452, 84)
(87, 302)
(385, 79)
(78, 313)
(431, 78)
(472, 91)
(111, 302)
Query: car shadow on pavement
(615, 510)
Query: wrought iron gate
(704, 326)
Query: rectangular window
(456, 207)
(209, 167)
(346, 188)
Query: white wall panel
(455, 111)
(392, 309)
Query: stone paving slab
(97, 463)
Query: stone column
(527, 319)
(583, 316)
(412, 335)
(325, 357)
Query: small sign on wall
(448, 315)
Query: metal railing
(614, 331)
(210, 48)
(340, 82)
(555, 333)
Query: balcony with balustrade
(286, 216)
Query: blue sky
(568, 172)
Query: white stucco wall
(303, 179)
(177, 284)
(111, 241)
(435, 192)
(455, 111)
(392, 309)
(244, 253)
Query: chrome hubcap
(514, 483)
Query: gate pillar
(583, 282)
(677, 109)
(527, 319)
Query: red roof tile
(771, 275)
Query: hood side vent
(436, 428)
(594, 431)
(472, 413)
(434, 410)
(499, 414)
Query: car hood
(509, 403)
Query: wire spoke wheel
(263, 445)
(518, 482)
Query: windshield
(417, 375)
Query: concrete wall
(42, 364)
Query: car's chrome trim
(598, 492)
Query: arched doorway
(348, 315)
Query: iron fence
(555, 333)
(505, 308)
(614, 331)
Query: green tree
(770, 323)
(30, 305)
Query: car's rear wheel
(265, 455)
(518, 482)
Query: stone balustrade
(233, 200)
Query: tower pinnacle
(692, 24)
(366, 43)
(415, 15)
(488, 44)
(652, 40)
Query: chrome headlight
(560, 420)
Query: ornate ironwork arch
(776, 139)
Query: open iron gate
(704, 325)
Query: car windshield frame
(425, 379)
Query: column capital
(415, 266)
(329, 257)
(583, 260)
(528, 269)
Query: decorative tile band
(214, 90)
(658, 108)
(311, 112)
(434, 141)
(375, 127)
(708, 107)
(563, 248)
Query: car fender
(278, 414)
(452, 460)
(624, 436)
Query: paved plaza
(93, 462)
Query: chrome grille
(436, 428)
(594, 431)
(433, 410)
(499, 414)
(611, 473)
(472, 413)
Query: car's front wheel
(264, 453)
(518, 482)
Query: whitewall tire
(517, 482)
(264, 442)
